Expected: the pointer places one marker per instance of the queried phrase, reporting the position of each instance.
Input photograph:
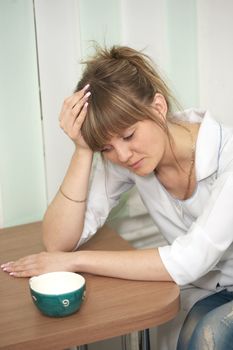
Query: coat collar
(208, 142)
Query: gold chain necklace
(192, 159)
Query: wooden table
(112, 306)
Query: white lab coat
(199, 230)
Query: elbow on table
(50, 248)
(56, 245)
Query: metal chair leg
(134, 341)
(83, 347)
(130, 341)
(145, 340)
(124, 342)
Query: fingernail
(3, 266)
(6, 264)
(86, 104)
(87, 94)
(86, 86)
(12, 273)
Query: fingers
(36, 264)
(73, 113)
(79, 121)
(72, 100)
(22, 271)
(25, 267)
(76, 110)
(26, 273)
(72, 107)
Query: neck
(177, 164)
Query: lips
(136, 164)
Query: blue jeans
(209, 324)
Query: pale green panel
(22, 176)
(182, 44)
(100, 21)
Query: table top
(112, 306)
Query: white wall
(22, 172)
(144, 27)
(215, 57)
(166, 29)
(58, 38)
(100, 21)
(1, 208)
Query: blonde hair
(123, 83)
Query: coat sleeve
(194, 254)
(107, 185)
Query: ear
(160, 104)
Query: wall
(182, 68)
(100, 21)
(57, 23)
(167, 32)
(22, 174)
(215, 57)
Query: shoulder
(214, 145)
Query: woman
(182, 165)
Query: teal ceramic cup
(58, 294)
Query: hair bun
(116, 53)
(126, 53)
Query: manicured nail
(86, 86)
(87, 94)
(12, 274)
(6, 264)
(7, 269)
(86, 104)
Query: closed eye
(126, 138)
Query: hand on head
(73, 114)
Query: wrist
(79, 261)
(83, 152)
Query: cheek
(155, 143)
(143, 145)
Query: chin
(143, 171)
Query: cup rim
(41, 276)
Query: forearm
(64, 219)
(143, 264)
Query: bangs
(109, 114)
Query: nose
(123, 153)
